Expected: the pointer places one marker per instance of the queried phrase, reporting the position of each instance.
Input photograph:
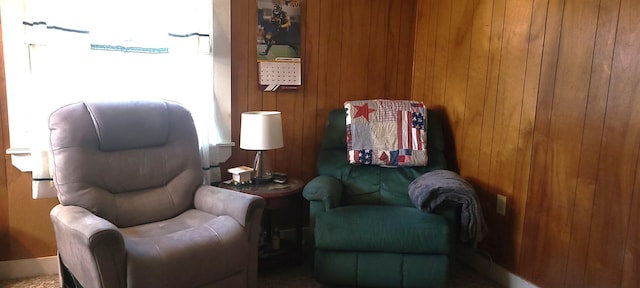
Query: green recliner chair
(367, 232)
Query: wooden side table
(277, 196)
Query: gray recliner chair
(133, 210)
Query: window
(63, 51)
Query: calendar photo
(278, 30)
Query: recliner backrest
(367, 184)
(130, 162)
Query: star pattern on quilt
(363, 111)
(365, 156)
(417, 120)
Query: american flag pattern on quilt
(386, 132)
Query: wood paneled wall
(540, 95)
(543, 100)
(355, 49)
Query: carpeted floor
(284, 273)
(283, 276)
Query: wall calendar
(278, 35)
(280, 72)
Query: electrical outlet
(501, 205)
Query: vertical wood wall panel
(509, 94)
(4, 134)
(516, 219)
(631, 264)
(421, 52)
(442, 38)
(591, 141)
(490, 90)
(377, 46)
(329, 57)
(5, 237)
(551, 120)
(536, 218)
(311, 50)
(611, 210)
(506, 119)
(471, 130)
(391, 49)
(356, 37)
(565, 133)
(458, 64)
(405, 51)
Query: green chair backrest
(367, 184)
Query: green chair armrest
(323, 193)
(326, 189)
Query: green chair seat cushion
(379, 228)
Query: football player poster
(278, 29)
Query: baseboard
(491, 270)
(28, 267)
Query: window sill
(21, 157)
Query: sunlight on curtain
(112, 50)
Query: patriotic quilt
(386, 132)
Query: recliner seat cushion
(157, 256)
(392, 229)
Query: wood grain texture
(551, 121)
(591, 141)
(456, 74)
(619, 151)
(540, 95)
(311, 17)
(404, 63)
(4, 134)
(631, 263)
(536, 218)
(470, 132)
(356, 49)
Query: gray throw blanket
(432, 189)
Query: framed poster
(278, 45)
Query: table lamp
(261, 131)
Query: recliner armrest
(326, 189)
(220, 201)
(91, 246)
(245, 208)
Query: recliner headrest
(146, 127)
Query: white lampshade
(261, 130)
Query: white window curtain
(113, 50)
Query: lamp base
(262, 169)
